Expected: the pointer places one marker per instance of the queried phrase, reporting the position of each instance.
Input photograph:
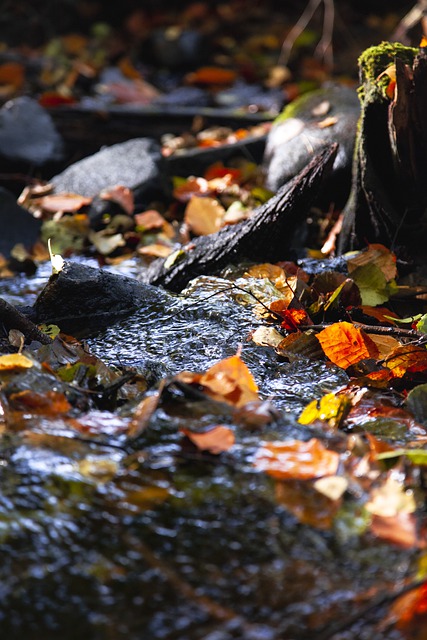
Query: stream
(108, 540)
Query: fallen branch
(266, 236)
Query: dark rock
(136, 164)
(16, 223)
(302, 130)
(27, 133)
(81, 298)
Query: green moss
(294, 108)
(374, 60)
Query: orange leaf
(215, 440)
(295, 459)
(212, 75)
(346, 345)
(230, 381)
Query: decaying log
(388, 198)
(13, 318)
(266, 236)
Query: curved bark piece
(266, 236)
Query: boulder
(16, 223)
(305, 127)
(28, 134)
(137, 164)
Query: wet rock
(28, 134)
(17, 225)
(306, 126)
(85, 298)
(136, 164)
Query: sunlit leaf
(216, 440)
(193, 186)
(300, 344)
(204, 215)
(373, 285)
(295, 459)
(267, 336)
(376, 254)
(421, 325)
(407, 359)
(15, 361)
(330, 408)
(345, 345)
(333, 487)
(390, 499)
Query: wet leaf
(373, 285)
(346, 345)
(416, 402)
(65, 202)
(216, 440)
(267, 336)
(376, 254)
(400, 529)
(332, 487)
(330, 408)
(390, 499)
(295, 459)
(305, 503)
(48, 403)
(229, 381)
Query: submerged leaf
(295, 459)
(216, 440)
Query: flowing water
(106, 539)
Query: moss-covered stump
(389, 189)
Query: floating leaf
(216, 440)
(401, 529)
(345, 345)
(230, 381)
(46, 403)
(295, 459)
(306, 504)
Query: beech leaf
(295, 459)
(345, 345)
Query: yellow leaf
(330, 408)
(14, 361)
